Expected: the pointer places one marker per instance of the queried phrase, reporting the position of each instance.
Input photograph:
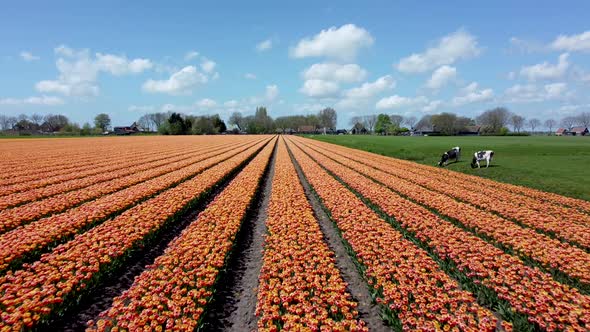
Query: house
(561, 132)
(470, 131)
(307, 130)
(579, 131)
(133, 129)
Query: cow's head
(474, 162)
(443, 159)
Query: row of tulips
(53, 157)
(566, 223)
(548, 304)
(519, 191)
(113, 164)
(411, 284)
(28, 241)
(131, 168)
(173, 292)
(300, 286)
(55, 281)
(20, 215)
(550, 253)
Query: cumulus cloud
(396, 101)
(181, 82)
(472, 94)
(42, 101)
(441, 77)
(545, 70)
(316, 88)
(78, 71)
(264, 45)
(432, 106)
(28, 56)
(272, 92)
(370, 89)
(449, 49)
(231, 103)
(339, 43)
(207, 65)
(572, 43)
(347, 73)
(206, 103)
(530, 93)
(141, 109)
(250, 76)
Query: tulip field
(277, 232)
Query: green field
(556, 164)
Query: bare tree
(534, 123)
(493, 120)
(37, 119)
(396, 120)
(237, 119)
(583, 119)
(11, 122)
(370, 121)
(517, 122)
(22, 117)
(410, 121)
(568, 122)
(328, 118)
(550, 123)
(3, 122)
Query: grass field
(555, 164)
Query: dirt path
(234, 305)
(357, 287)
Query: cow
(482, 155)
(454, 153)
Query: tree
(383, 123)
(237, 120)
(517, 122)
(493, 120)
(410, 121)
(177, 125)
(396, 120)
(159, 119)
(3, 122)
(534, 123)
(37, 119)
(358, 124)
(146, 122)
(550, 123)
(218, 124)
(328, 118)
(568, 122)
(54, 123)
(583, 119)
(86, 129)
(370, 121)
(102, 121)
(445, 123)
(425, 123)
(263, 123)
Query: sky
(409, 58)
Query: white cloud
(250, 76)
(43, 101)
(207, 65)
(141, 109)
(530, 93)
(272, 92)
(319, 88)
(368, 90)
(525, 46)
(432, 106)
(572, 43)
(231, 103)
(451, 48)
(347, 73)
(396, 101)
(472, 94)
(28, 56)
(339, 43)
(264, 45)
(206, 103)
(181, 82)
(441, 77)
(78, 71)
(545, 71)
(191, 55)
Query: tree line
(24, 124)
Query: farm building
(560, 132)
(470, 131)
(575, 131)
(133, 129)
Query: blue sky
(395, 57)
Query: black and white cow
(482, 155)
(454, 153)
